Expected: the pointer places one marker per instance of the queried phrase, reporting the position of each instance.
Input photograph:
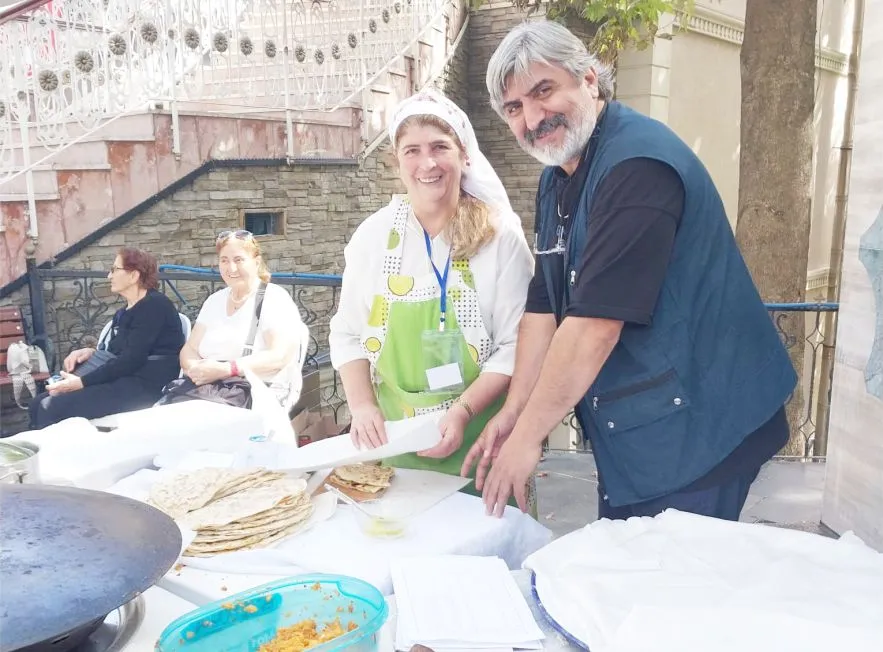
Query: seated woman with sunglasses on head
(230, 337)
(140, 358)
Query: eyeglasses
(117, 269)
(241, 234)
(559, 248)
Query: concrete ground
(785, 494)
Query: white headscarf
(479, 179)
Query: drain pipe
(33, 228)
(839, 233)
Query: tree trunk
(775, 166)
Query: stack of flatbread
(233, 509)
(371, 479)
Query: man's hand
(75, 358)
(367, 429)
(204, 372)
(68, 383)
(579, 349)
(452, 426)
(510, 474)
(488, 445)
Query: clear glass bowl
(245, 621)
(383, 523)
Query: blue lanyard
(442, 281)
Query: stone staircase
(64, 174)
(115, 169)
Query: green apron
(402, 309)
(401, 391)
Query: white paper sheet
(413, 491)
(445, 376)
(405, 436)
(460, 603)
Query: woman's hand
(367, 428)
(452, 426)
(204, 372)
(68, 383)
(75, 358)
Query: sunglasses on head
(241, 234)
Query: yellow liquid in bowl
(383, 528)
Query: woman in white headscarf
(433, 290)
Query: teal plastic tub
(246, 621)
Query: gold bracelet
(462, 402)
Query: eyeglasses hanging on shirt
(560, 246)
(568, 192)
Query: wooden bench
(12, 330)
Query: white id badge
(443, 360)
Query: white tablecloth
(75, 452)
(686, 583)
(458, 525)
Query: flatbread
(256, 479)
(185, 492)
(282, 508)
(297, 515)
(244, 504)
(362, 476)
(294, 529)
(244, 542)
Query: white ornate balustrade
(68, 67)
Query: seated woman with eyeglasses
(140, 358)
(216, 349)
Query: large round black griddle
(70, 556)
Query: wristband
(234, 368)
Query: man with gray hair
(642, 315)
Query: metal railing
(69, 67)
(809, 416)
(75, 305)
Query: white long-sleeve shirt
(502, 271)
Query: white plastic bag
(19, 364)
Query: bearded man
(642, 315)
